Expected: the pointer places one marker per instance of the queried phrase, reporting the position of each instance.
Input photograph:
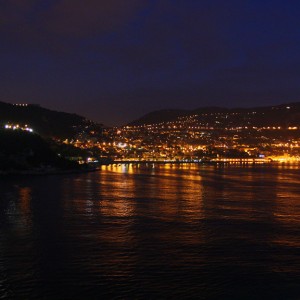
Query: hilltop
(159, 116)
(47, 123)
(278, 115)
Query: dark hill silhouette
(21, 150)
(46, 122)
(158, 116)
(276, 115)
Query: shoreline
(190, 162)
(95, 169)
(46, 172)
(236, 163)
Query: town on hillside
(204, 135)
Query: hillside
(46, 122)
(280, 115)
(20, 150)
(158, 116)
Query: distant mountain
(46, 122)
(158, 116)
(278, 115)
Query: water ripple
(156, 232)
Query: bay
(152, 232)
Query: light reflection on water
(152, 231)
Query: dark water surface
(152, 232)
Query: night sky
(115, 60)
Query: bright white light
(122, 145)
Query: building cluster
(197, 137)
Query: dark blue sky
(116, 60)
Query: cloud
(56, 28)
(53, 24)
(77, 18)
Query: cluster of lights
(193, 137)
(18, 127)
(21, 104)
